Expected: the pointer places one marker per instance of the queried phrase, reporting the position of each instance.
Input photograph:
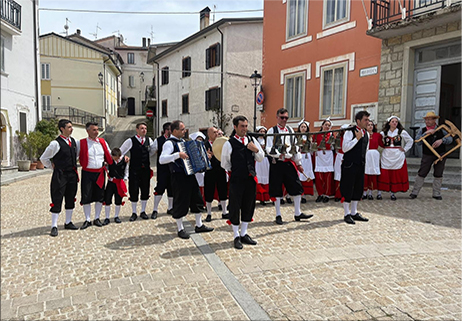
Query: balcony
(76, 116)
(391, 18)
(10, 13)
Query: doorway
(131, 106)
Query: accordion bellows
(198, 160)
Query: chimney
(78, 32)
(144, 42)
(204, 18)
(149, 42)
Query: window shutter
(207, 100)
(207, 58)
(218, 55)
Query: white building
(20, 87)
(204, 79)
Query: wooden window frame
(165, 76)
(185, 101)
(287, 78)
(186, 67)
(165, 112)
(336, 22)
(288, 21)
(130, 61)
(343, 65)
(213, 56)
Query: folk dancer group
(244, 173)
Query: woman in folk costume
(338, 166)
(372, 170)
(307, 163)
(394, 177)
(262, 171)
(324, 165)
(199, 176)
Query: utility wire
(144, 12)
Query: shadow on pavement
(133, 242)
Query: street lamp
(141, 81)
(255, 80)
(100, 77)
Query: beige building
(79, 81)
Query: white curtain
(327, 93)
(298, 97)
(341, 9)
(338, 91)
(301, 20)
(290, 95)
(292, 17)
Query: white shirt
(95, 153)
(228, 149)
(349, 142)
(51, 151)
(287, 140)
(128, 144)
(167, 155)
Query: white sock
(244, 228)
(134, 205)
(297, 201)
(223, 206)
(107, 208)
(236, 230)
(179, 224)
(117, 211)
(170, 203)
(87, 211)
(369, 192)
(364, 193)
(98, 208)
(198, 220)
(354, 207)
(143, 206)
(277, 204)
(392, 194)
(346, 208)
(209, 207)
(69, 215)
(157, 199)
(379, 193)
(54, 219)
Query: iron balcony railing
(75, 115)
(387, 11)
(10, 11)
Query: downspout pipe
(37, 97)
(157, 100)
(220, 124)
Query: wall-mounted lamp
(100, 77)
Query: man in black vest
(139, 172)
(163, 174)
(238, 156)
(355, 144)
(63, 151)
(185, 188)
(437, 141)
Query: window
(45, 71)
(186, 67)
(22, 122)
(46, 103)
(297, 14)
(295, 94)
(131, 81)
(333, 90)
(212, 56)
(212, 99)
(164, 108)
(185, 104)
(2, 53)
(164, 75)
(336, 11)
(130, 58)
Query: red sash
(83, 158)
(121, 187)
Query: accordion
(198, 160)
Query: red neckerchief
(282, 128)
(241, 139)
(68, 140)
(430, 128)
(141, 139)
(210, 142)
(362, 130)
(166, 137)
(83, 155)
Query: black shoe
(54, 231)
(97, 222)
(246, 239)
(370, 197)
(85, 225)
(289, 200)
(348, 219)
(412, 196)
(170, 211)
(133, 217)
(263, 203)
(225, 216)
(439, 198)
(154, 215)
(106, 221)
(144, 216)
(70, 226)
(359, 217)
(203, 229)
(220, 208)
(319, 199)
(337, 199)
(393, 198)
(379, 197)
(183, 234)
(279, 220)
(325, 199)
(364, 197)
(302, 216)
(208, 218)
(117, 220)
(303, 200)
(282, 201)
(237, 243)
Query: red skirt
(263, 192)
(337, 189)
(201, 188)
(394, 180)
(324, 183)
(308, 187)
(370, 182)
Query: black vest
(431, 139)
(176, 166)
(160, 143)
(66, 158)
(396, 140)
(139, 154)
(357, 155)
(242, 161)
(214, 161)
(117, 170)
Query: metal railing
(387, 11)
(10, 11)
(75, 115)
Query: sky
(162, 27)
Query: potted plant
(26, 144)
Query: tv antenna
(66, 27)
(96, 32)
(152, 34)
(213, 13)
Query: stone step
(8, 169)
(452, 176)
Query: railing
(75, 115)
(387, 11)
(10, 11)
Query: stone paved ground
(405, 264)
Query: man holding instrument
(284, 167)
(185, 188)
